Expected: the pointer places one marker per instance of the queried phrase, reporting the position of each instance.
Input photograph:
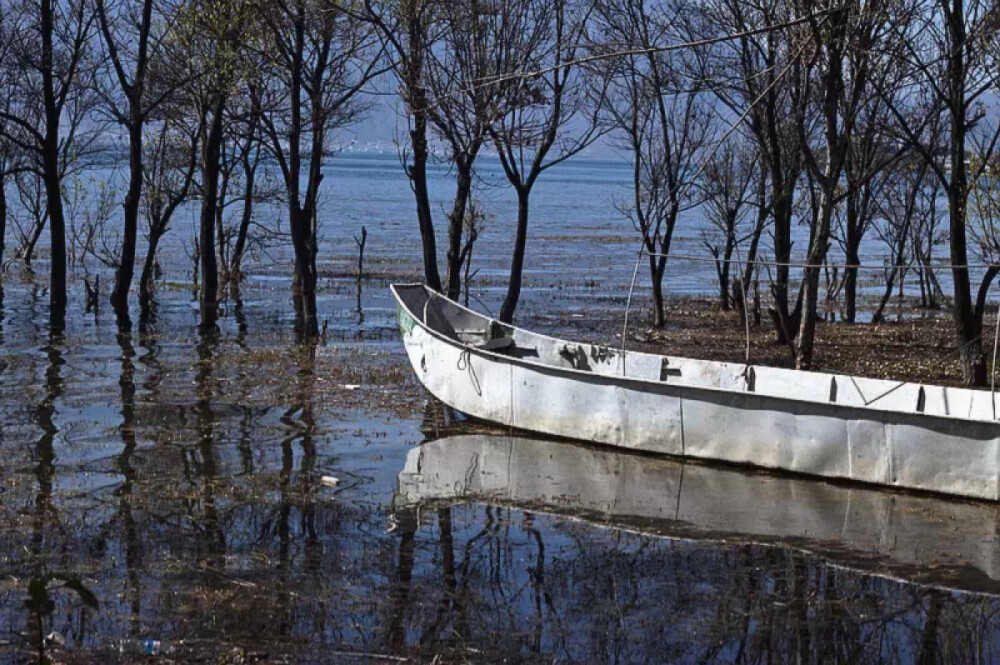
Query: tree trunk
(220, 227)
(967, 322)
(758, 231)
(833, 80)
(456, 227)
(36, 233)
(890, 282)
(126, 262)
(657, 267)
(52, 175)
(304, 278)
(417, 171)
(57, 233)
(250, 163)
(851, 288)
(517, 260)
(244, 230)
(784, 331)
(418, 176)
(209, 204)
(146, 279)
(3, 221)
(724, 270)
(810, 286)
(853, 242)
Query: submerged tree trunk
(52, 177)
(148, 268)
(304, 278)
(456, 227)
(853, 244)
(236, 267)
(418, 177)
(211, 166)
(250, 162)
(3, 221)
(517, 259)
(130, 231)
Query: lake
(239, 497)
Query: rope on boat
(628, 305)
(465, 365)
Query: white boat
(935, 541)
(907, 435)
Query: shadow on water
(240, 496)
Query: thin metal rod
(993, 368)
(628, 305)
(743, 299)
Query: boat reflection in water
(942, 543)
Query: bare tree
(547, 114)
(897, 212)
(408, 32)
(248, 153)
(759, 78)
(133, 33)
(323, 55)
(865, 173)
(169, 169)
(11, 157)
(662, 122)
(949, 63)
(52, 47)
(727, 181)
(462, 106)
(846, 37)
(929, 232)
(31, 200)
(210, 55)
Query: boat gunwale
(614, 379)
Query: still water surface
(240, 497)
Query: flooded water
(238, 497)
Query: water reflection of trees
(546, 587)
(207, 522)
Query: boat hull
(907, 450)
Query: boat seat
(495, 344)
(494, 338)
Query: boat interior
(485, 334)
